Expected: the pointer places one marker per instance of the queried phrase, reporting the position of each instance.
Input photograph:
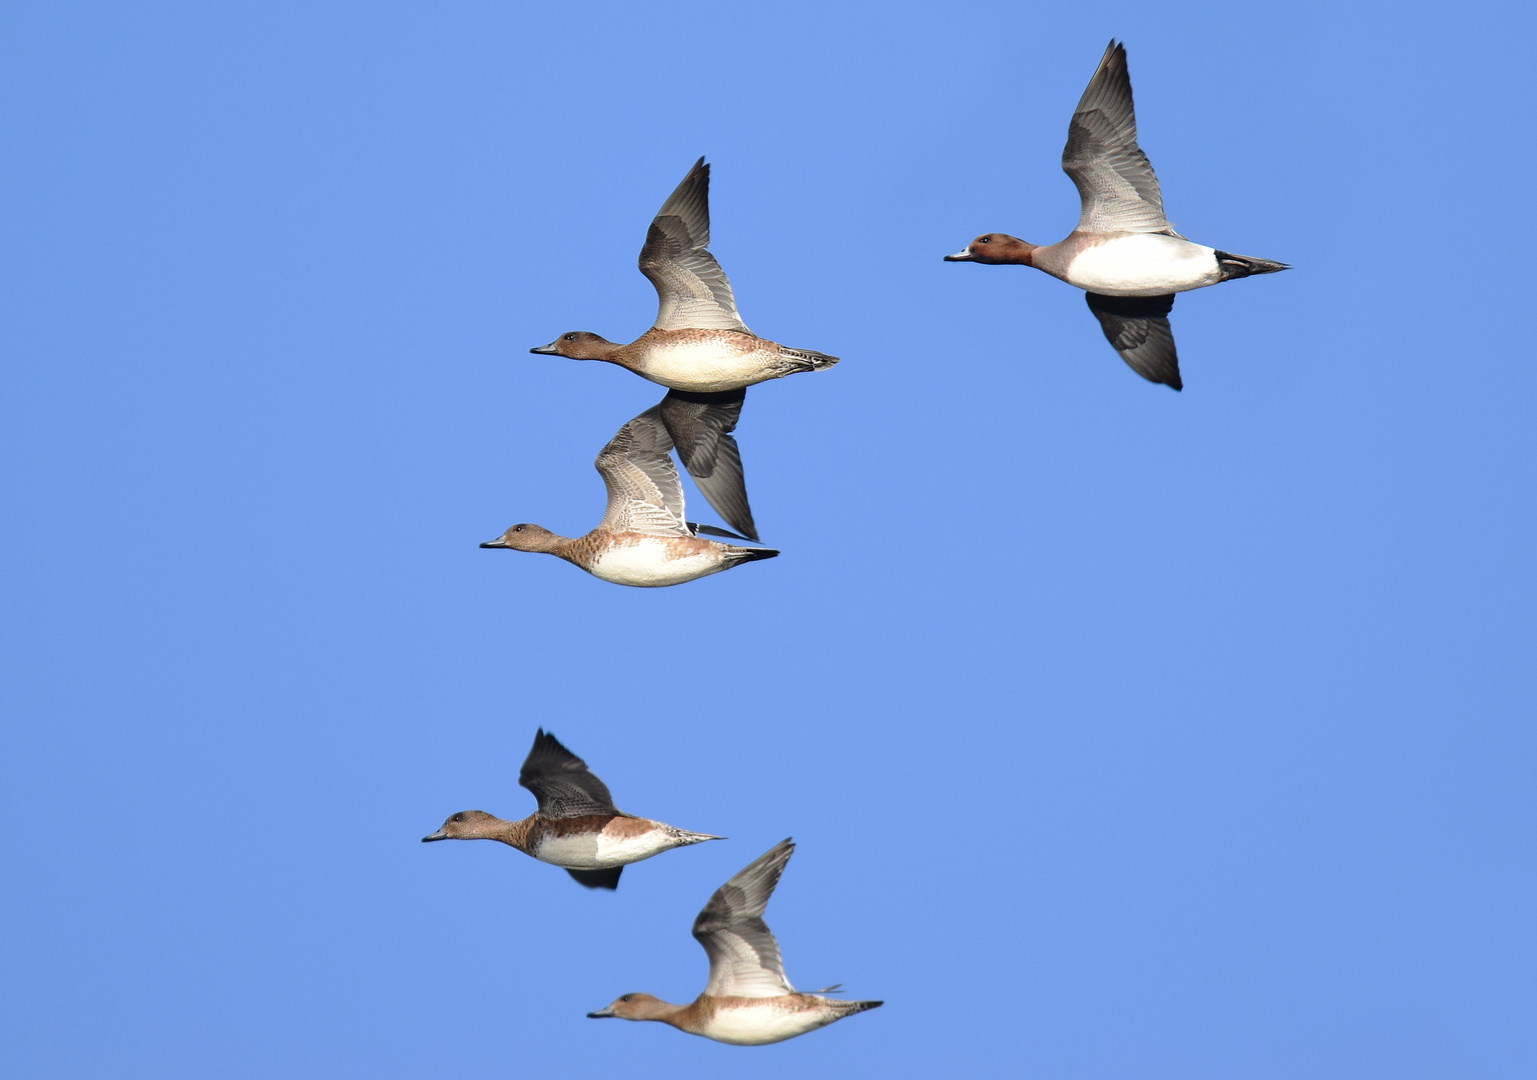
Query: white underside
(602, 852)
(1143, 264)
(647, 565)
(706, 368)
(754, 1025)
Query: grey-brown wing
(644, 493)
(561, 781)
(744, 957)
(701, 427)
(1138, 328)
(692, 290)
(1115, 180)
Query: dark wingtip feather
(598, 879)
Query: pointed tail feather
(741, 555)
(849, 1008)
(1238, 266)
(693, 837)
(810, 360)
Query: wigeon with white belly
(643, 539)
(576, 826)
(747, 1001)
(1124, 253)
(699, 342)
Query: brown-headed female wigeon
(748, 1001)
(576, 826)
(699, 342)
(643, 539)
(1124, 253)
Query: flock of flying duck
(1130, 263)
(1124, 254)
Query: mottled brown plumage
(747, 1000)
(576, 827)
(643, 539)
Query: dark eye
(517, 528)
(625, 998)
(570, 337)
(985, 240)
(457, 817)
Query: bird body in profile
(576, 827)
(643, 539)
(747, 1001)
(699, 343)
(1124, 253)
(693, 359)
(699, 349)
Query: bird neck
(512, 833)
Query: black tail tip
(1242, 266)
(754, 554)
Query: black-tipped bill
(964, 255)
(439, 835)
(545, 350)
(497, 543)
(601, 1014)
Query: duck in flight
(699, 342)
(699, 347)
(576, 826)
(643, 539)
(1124, 253)
(747, 1001)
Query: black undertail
(1238, 266)
(750, 554)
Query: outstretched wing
(644, 493)
(1138, 328)
(692, 290)
(561, 782)
(701, 427)
(1115, 180)
(744, 957)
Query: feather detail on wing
(1138, 328)
(692, 290)
(744, 957)
(1115, 181)
(561, 781)
(701, 427)
(644, 493)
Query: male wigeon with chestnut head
(1124, 253)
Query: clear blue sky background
(1124, 733)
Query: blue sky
(1124, 733)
